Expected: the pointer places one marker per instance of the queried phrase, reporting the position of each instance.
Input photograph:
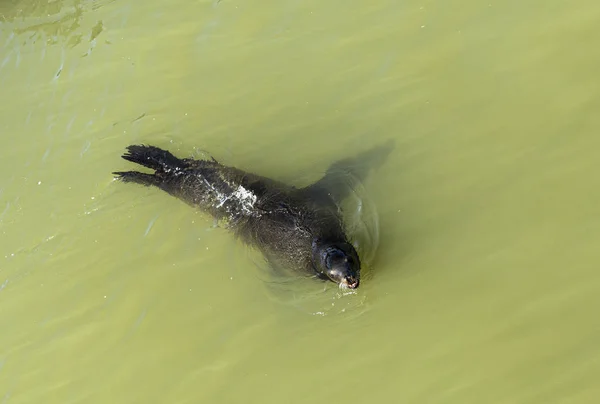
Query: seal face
(337, 262)
(300, 229)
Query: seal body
(297, 228)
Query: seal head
(337, 262)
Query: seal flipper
(159, 160)
(344, 175)
(138, 178)
(152, 157)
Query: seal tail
(152, 157)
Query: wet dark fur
(293, 227)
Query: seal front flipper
(344, 175)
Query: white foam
(247, 199)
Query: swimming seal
(298, 228)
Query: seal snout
(350, 282)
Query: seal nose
(351, 283)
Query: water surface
(485, 284)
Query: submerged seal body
(297, 228)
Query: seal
(297, 228)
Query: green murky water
(486, 284)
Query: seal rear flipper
(138, 178)
(154, 158)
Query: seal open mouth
(349, 283)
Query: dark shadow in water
(344, 176)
